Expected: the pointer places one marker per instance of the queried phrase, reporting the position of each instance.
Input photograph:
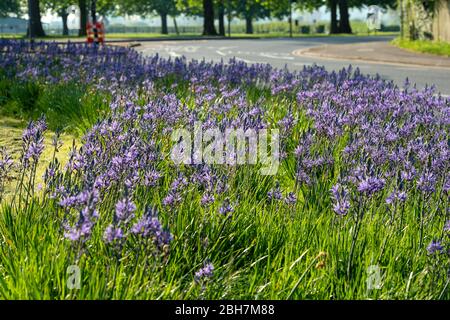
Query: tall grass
(261, 247)
(265, 251)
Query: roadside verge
(375, 52)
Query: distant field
(132, 36)
(266, 30)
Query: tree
(344, 17)
(208, 18)
(278, 9)
(221, 16)
(105, 7)
(83, 17)
(163, 8)
(60, 8)
(34, 13)
(9, 6)
(250, 10)
(332, 5)
(344, 5)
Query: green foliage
(424, 46)
(66, 106)
(145, 7)
(191, 7)
(8, 7)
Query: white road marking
(190, 49)
(268, 55)
(245, 60)
(220, 51)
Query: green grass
(11, 136)
(66, 106)
(260, 253)
(424, 46)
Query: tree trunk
(208, 18)
(248, 25)
(94, 19)
(63, 14)
(221, 18)
(333, 9)
(175, 24)
(94, 11)
(344, 20)
(35, 25)
(83, 17)
(164, 29)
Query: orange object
(89, 33)
(100, 32)
(98, 27)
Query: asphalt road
(280, 53)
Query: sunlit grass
(11, 137)
(424, 46)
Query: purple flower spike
(207, 271)
(435, 247)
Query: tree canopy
(8, 7)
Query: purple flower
(178, 183)
(149, 226)
(113, 233)
(207, 199)
(6, 166)
(125, 209)
(291, 198)
(427, 182)
(35, 149)
(226, 207)
(303, 177)
(435, 247)
(340, 196)
(151, 178)
(172, 199)
(207, 271)
(371, 185)
(287, 123)
(447, 226)
(396, 196)
(82, 231)
(275, 193)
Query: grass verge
(424, 46)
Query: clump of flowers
(204, 273)
(149, 227)
(435, 247)
(388, 146)
(341, 199)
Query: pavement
(371, 54)
(379, 52)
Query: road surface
(285, 52)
